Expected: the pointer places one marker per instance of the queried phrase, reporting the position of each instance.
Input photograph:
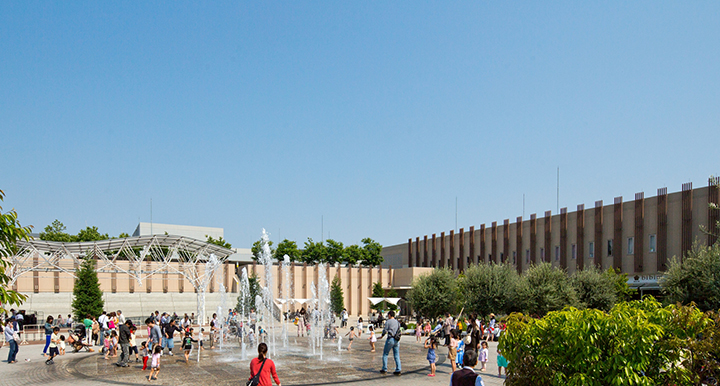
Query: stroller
(76, 339)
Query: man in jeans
(124, 340)
(103, 321)
(392, 326)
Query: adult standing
(124, 340)
(392, 327)
(169, 332)
(344, 318)
(10, 336)
(154, 335)
(467, 375)
(121, 317)
(302, 322)
(103, 321)
(87, 322)
(448, 326)
(268, 367)
(48, 333)
(214, 328)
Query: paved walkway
(357, 367)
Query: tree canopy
(10, 233)
(696, 278)
(57, 232)
(219, 241)
(87, 296)
(434, 294)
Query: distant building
(195, 232)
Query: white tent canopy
(393, 301)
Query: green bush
(434, 294)
(635, 343)
(696, 278)
(490, 288)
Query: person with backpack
(467, 375)
(392, 329)
(262, 368)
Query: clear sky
(374, 116)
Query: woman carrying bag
(261, 369)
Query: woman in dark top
(474, 333)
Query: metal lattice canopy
(187, 253)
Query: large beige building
(638, 237)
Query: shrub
(546, 288)
(694, 279)
(489, 288)
(434, 294)
(635, 343)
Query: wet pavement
(295, 365)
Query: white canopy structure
(393, 301)
(186, 253)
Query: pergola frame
(46, 256)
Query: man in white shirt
(121, 317)
(103, 322)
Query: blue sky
(373, 116)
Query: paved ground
(223, 367)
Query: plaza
(223, 367)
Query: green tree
(56, 232)
(489, 288)
(334, 251)
(254, 286)
(696, 278)
(378, 292)
(337, 299)
(87, 296)
(10, 233)
(314, 252)
(595, 289)
(287, 247)
(546, 288)
(90, 234)
(434, 294)
(123, 235)
(219, 241)
(391, 293)
(257, 249)
(372, 257)
(353, 254)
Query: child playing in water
(106, 344)
(352, 336)
(372, 337)
(155, 363)
(200, 339)
(187, 344)
(431, 345)
(144, 353)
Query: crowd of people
(466, 339)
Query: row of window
(652, 247)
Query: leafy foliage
(257, 249)
(353, 254)
(546, 289)
(596, 289)
(255, 289)
(219, 241)
(695, 278)
(434, 294)
(334, 251)
(489, 288)
(56, 232)
(635, 343)
(10, 233)
(337, 299)
(287, 247)
(379, 292)
(87, 296)
(314, 252)
(372, 257)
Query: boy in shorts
(54, 342)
